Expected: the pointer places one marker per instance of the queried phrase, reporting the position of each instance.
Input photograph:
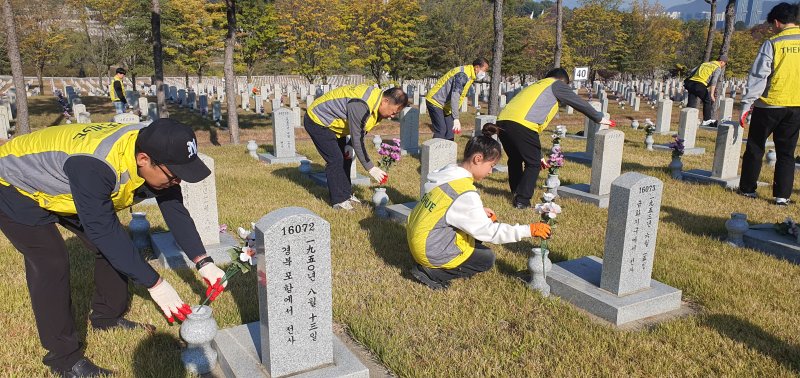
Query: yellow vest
(34, 163)
(704, 72)
(434, 243)
(533, 107)
(784, 81)
(439, 95)
(111, 90)
(330, 110)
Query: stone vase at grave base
(140, 231)
(305, 167)
(648, 142)
(635, 124)
(676, 167)
(380, 199)
(772, 157)
(736, 227)
(198, 330)
(552, 183)
(252, 149)
(539, 265)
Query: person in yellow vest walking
(448, 224)
(772, 97)
(80, 176)
(352, 110)
(523, 120)
(117, 91)
(445, 98)
(702, 83)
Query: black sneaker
(520, 205)
(419, 273)
(83, 368)
(748, 195)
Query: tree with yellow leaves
(196, 30)
(312, 32)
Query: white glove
(168, 300)
(210, 273)
(606, 121)
(349, 152)
(457, 126)
(378, 174)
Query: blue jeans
(119, 107)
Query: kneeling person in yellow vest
(349, 111)
(446, 228)
(80, 176)
(446, 96)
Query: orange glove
(493, 217)
(540, 230)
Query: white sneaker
(782, 201)
(709, 123)
(344, 205)
(354, 200)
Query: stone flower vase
(539, 265)
(736, 227)
(305, 166)
(772, 157)
(648, 141)
(376, 140)
(198, 330)
(380, 199)
(552, 183)
(140, 230)
(676, 167)
(252, 148)
(635, 124)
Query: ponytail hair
(484, 144)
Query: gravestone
(200, 199)
(297, 117)
(216, 111)
(726, 110)
(294, 334)
(606, 167)
(436, 154)
(481, 120)
(409, 131)
(78, 109)
(636, 103)
(664, 117)
(688, 132)
(726, 159)
(259, 103)
(283, 139)
(5, 125)
(126, 118)
(619, 287)
(590, 128)
(142, 104)
(152, 111)
(764, 238)
(203, 106)
(181, 97)
(309, 100)
(83, 117)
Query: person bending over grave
(445, 98)
(701, 84)
(80, 176)
(446, 229)
(773, 99)
(353, 111)
(523, 120)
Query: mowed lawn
(491, 325)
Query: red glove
(385, 179)
(213, 291)
(543, 163)
(613, 123)
(540, 230)
(743, 118)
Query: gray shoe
(355, 201)
(344, 205)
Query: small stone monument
(294, 335)
(664, 116)
(590, 128)
(409, 131)
(764, 238)
(619, 288)
(688, 132)
(606, 167)
(283, 139)
(726, 159)
(126, 118)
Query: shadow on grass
(384, 236)
(293, 174)
(692, 223)
(159, 355)
(751, 335)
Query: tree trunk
(158, 60)
(559, 32)
(39, 69)
(497, 59)
(730, 16)
(16, 70)
(712, 26)
(186, 79)
(230, 78)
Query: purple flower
(396, 141)
(395, 156)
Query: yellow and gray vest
(784, 81)
(111, 90)
(330, 110)
(533, 107)
(439, 95)
(704, 73)
(434, 243)
(34, 163)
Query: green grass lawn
(490, 325)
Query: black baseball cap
(173, 144)
(121, 70)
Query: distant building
(754, 13)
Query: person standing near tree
(80, 176)
(117, 91)
(774, 104)
(701, 84)
(352, 110)
(524, 118)
(445, 98)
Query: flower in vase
(548, 197)
(247, 255)
(677, 146)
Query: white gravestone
(664, 117)
(687, 130)
(126, 118)
(606, 166)
(283, 139)
(726, 158)
(619, 287)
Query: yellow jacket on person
(784, 81)
(705, 72)
(439, 95)
(114, 97)
(533, 107)
(330, 110)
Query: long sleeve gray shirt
(758, 77)
(357, 117)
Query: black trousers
(337, 168)
(699, 91)
(783, 124)
(47, 275)
(442, 124)
(524, 151)
(481, 260)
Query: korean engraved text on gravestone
(294, 270)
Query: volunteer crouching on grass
(445, 98)
(79, 176)
(353, 111)
(446, 228)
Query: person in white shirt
(448, 224)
